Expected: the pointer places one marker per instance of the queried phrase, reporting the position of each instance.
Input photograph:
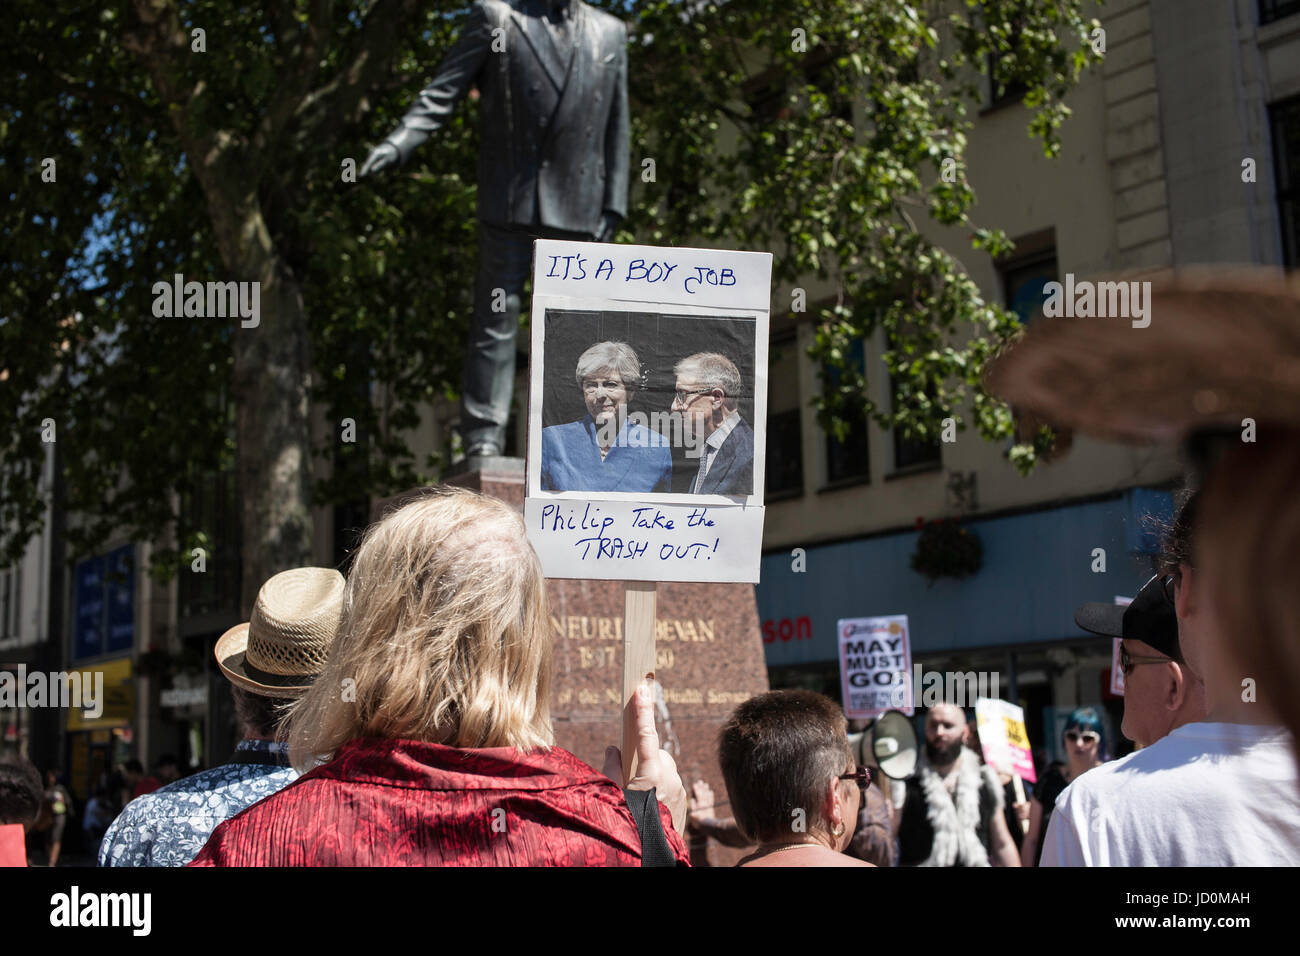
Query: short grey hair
(713, 370)
(612, 357)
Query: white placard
(662, 275)
(875, 666)
(637, 470)
(1004, 739)
(631, 541)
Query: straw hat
(1223, 345)
(285, 645)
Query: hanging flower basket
(944, 549)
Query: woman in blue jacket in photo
(603, 451)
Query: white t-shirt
(1208, 794)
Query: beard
(940, 755)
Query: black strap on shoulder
(264, 757)
(655, 850)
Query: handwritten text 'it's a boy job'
(638, 270)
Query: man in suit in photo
(552, 82)
(708, 386)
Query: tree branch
(309, 49)
(342, 101)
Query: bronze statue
(552, 80)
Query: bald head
(945, 734)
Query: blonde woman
(432, 719)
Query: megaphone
(889, 744)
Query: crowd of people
(401, 716)
(47, 830)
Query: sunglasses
(1086, 737)
(862, 775)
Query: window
(784, 455)
(1003, 94)
(913, 453)
(1270, 10)
(1002, 90)
(784, 475)
(849, 460)
(1023, 280)
(1284, 119)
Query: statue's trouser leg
(504, 257)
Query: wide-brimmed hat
(279, 652)
(1223, 344)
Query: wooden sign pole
(1020, 798)
(638, 660)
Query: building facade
(1184, 147)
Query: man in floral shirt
(270, 661)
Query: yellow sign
(119, 696)
(1016, 733)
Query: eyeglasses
(1086, 738)
(1129, 661)
(862, 775)
(681, 398)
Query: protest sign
(637, 469)
(875, 664)
(647, 413)
(1003, 737)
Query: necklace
(786, 846)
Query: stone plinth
(709, 657)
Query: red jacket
(13, 845)
(407, 803)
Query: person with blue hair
(1084, 739)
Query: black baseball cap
(1150, 619)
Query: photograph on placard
(648, 403)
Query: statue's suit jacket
(554, 122)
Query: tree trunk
(271, 384)
(273, 437)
